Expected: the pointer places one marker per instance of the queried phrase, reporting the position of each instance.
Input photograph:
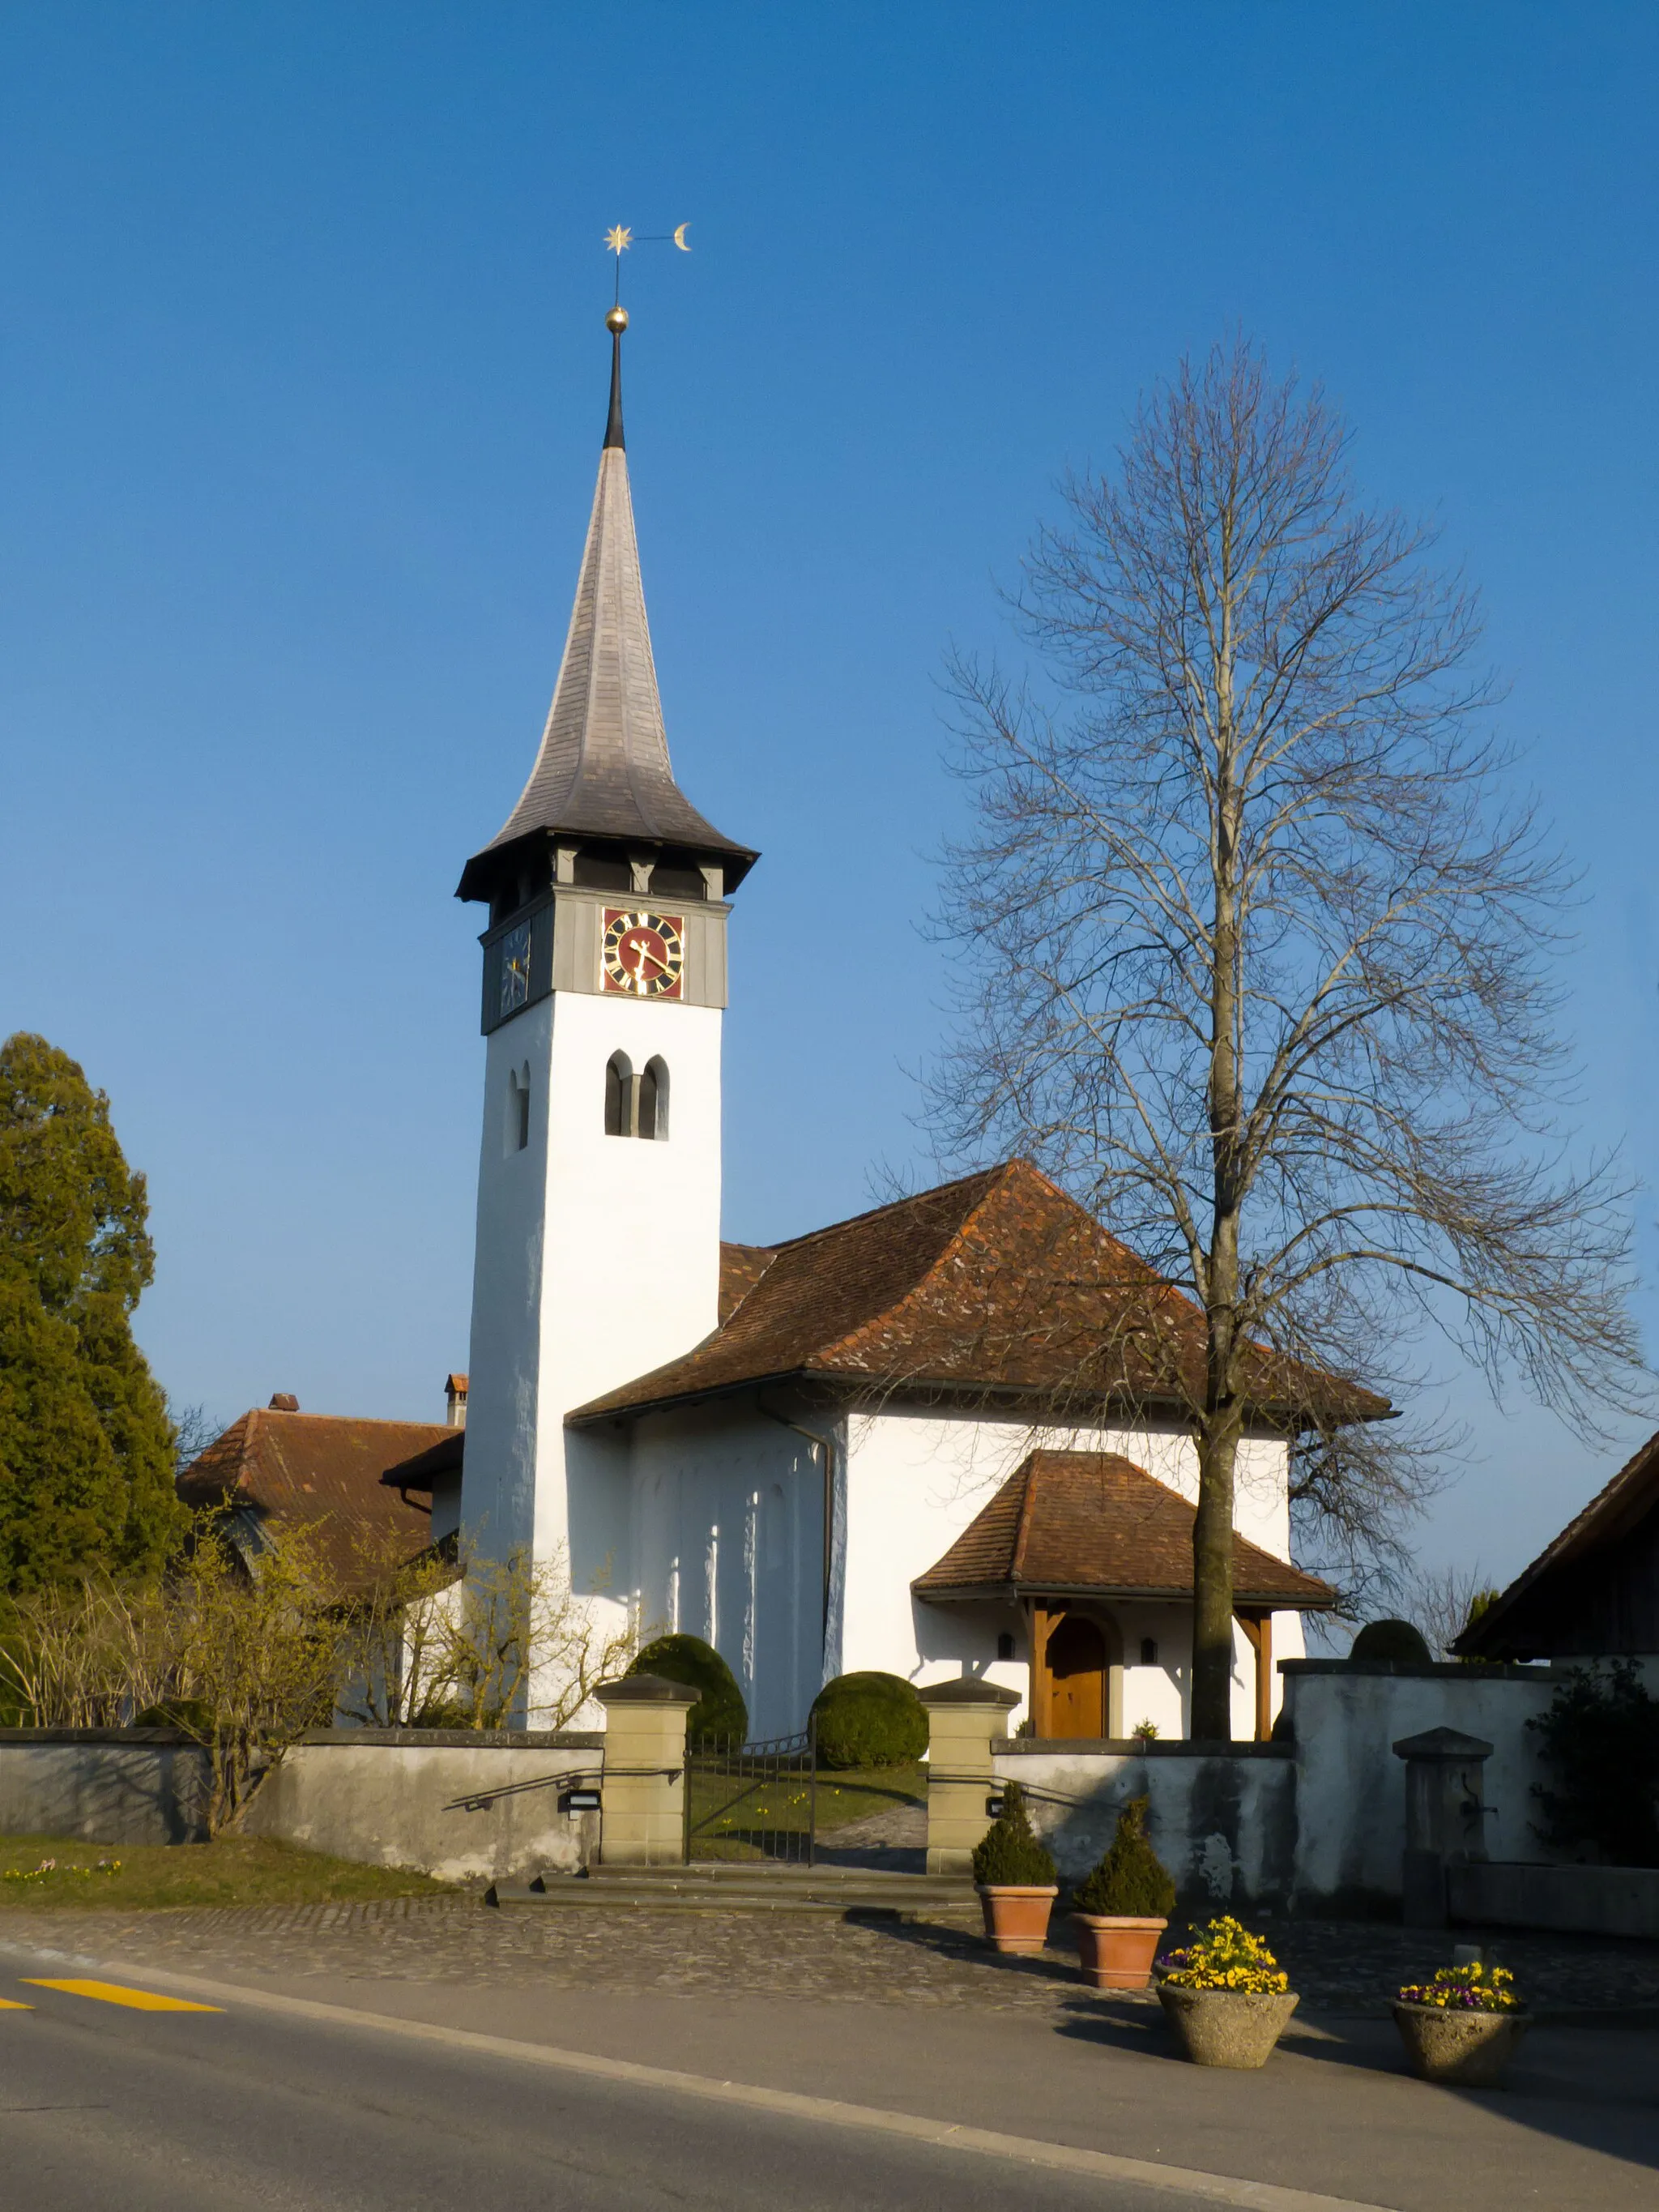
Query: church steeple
(603, 774)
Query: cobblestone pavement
(1347, 1967)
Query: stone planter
(1115, 1950)
(1226, 2027)
(1016, 1917)
(1469, 2049)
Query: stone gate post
(1445, 1817)
(643, 1788)
(963, 1716)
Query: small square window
(1149, 1651)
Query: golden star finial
(618, 241)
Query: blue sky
(301, 384)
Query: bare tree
(260, 1654)
(1255, 937)
(1443, 1604)
(467, 1642)
(193, 1430)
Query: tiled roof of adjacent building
(304, 1467)
(603, 769)
(999, 1283)
(1524, 1621)
(1074, 1524)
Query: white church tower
(597, 1252)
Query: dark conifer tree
(86, 1444)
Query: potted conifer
(1015, 1878)
(1123, 1907)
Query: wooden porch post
(1258, 1629)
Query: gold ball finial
(617, 320)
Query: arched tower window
(619, 1096)
(654, 1099)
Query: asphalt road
(106, 2106)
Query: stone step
(722, 1889)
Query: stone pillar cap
(1442, 1743)
(968, 1692)
(647, 1690)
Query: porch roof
(1093, 1524)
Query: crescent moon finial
(679, 237)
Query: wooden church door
(1077, 1677)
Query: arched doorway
(1082, 1671)
(1076, 1675)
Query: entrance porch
(1092, 1558)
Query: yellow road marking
(114, 1993)
(10, 2004)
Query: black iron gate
(756, 1801)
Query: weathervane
(619, 238)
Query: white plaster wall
(1351, 1789)
(728, 1545)
(395, 1798)
(913, 1481)
(597, 1259)
(1224, 1823)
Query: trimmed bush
(1009, 1854)
(721, 1711)
(1131, 1882)
(1390, 1639)
(869, 1720)
(189, 1714)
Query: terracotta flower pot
(1016, 1917)
(1115, 1950)
(1467, 2049)
(1226, 2027)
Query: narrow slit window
(515, 1133)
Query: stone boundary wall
(461, 1804)
(1580, 1900)
(1344, 1717)
(1223, 1817)
(105, 1785)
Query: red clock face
(642, 954)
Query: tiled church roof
(303, 1467)
(999, 1283)
(1074, 1524)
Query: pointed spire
(602, 770)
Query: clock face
(642, 954)
(515, 969)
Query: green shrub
(1131, 1882)
(721, 1711)
(869, 1720)
(1390, 1639)
(1009, 1853)
(190, 1714)
(1599, 1735)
